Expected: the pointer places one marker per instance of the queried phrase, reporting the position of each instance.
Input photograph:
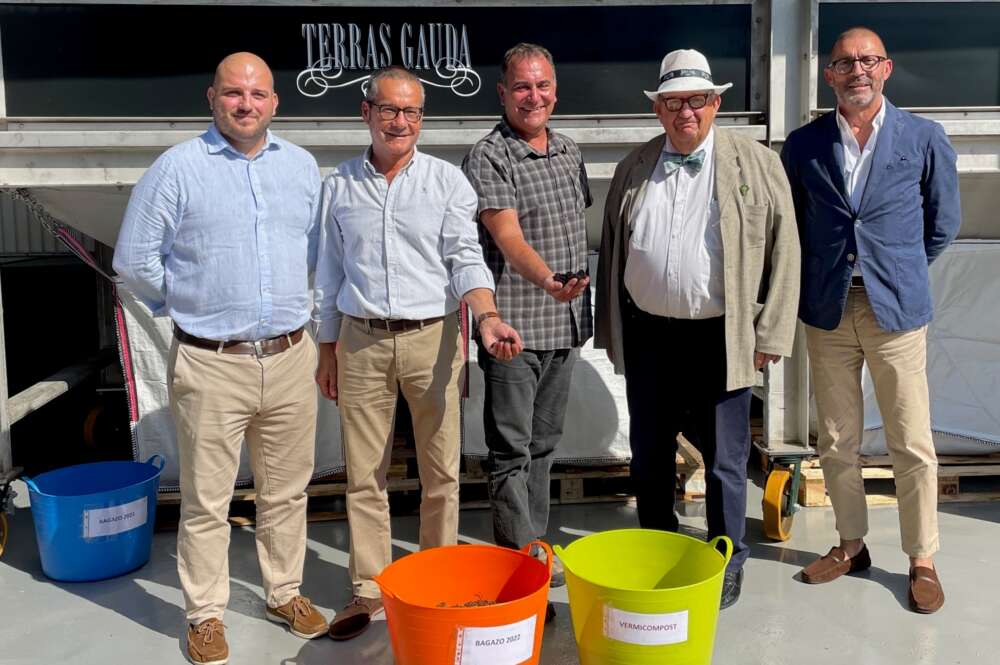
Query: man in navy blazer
(876, 198)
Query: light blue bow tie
(673, 161)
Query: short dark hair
(396, 72)
(520, 52)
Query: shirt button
(850, 258)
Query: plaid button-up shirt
(550, 194)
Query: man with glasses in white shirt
(398, 254)
(697, 289)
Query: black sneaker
(731, 584)
(550, 613)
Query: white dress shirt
(858, 162)
(408, 249)
(674, 266)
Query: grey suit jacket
(760, 248)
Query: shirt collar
(366, 161)
(708, 145)
(216, 142)
(847, 136)
(520, 148)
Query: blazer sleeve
(775, 328)
(939, 186)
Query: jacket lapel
(639, 175)
(835, 158)
(881, 158)
(727, 178)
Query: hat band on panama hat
(678, 73)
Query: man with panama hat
(697, 289)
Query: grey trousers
(525, 405)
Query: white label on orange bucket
(116, 519)
(496, 645)
(645, 629)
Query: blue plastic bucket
(95, 521)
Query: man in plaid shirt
(533, 194)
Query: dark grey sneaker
(558, 572)
(732, 582)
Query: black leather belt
(857, 282)
(261, 348)
(398, 325)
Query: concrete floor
(861, 620)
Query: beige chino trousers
(426, 366)
(218, 400)
(898, 365)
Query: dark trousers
(523, 413)
(675, 374)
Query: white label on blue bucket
(496, 645)
(116, 519)
(645, 629)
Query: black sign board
(943, 53)
(157, 60)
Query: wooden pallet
(571, 484)
(960, 478)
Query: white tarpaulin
(963, 355)
(596, 426)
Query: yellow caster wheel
(777, 501)
(3, 532)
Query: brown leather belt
(261, 348)
(397, 325)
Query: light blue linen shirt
(405, 250)
(221, 243)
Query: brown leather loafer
(356, 616)
(834, 564)
(926, 594)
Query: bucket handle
(31, 484)
(157, 461)
(728, 543)
(545, 546)
(386, 592)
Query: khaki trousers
(426, 366)
(218, 400)
(898, 365)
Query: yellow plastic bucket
(644, 597)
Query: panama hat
(685, 70)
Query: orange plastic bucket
(426, 595)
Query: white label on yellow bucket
(645, 629)
(496, 645)
(116, 519)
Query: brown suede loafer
(206, 643)
(302, 618)
(926, 594)
(834, 564)
(356, 616)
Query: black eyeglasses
(694, 102)
(846, 65)
(389, 112)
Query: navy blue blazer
(909, 213)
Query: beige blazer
(760, 247)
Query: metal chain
(55, 227)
